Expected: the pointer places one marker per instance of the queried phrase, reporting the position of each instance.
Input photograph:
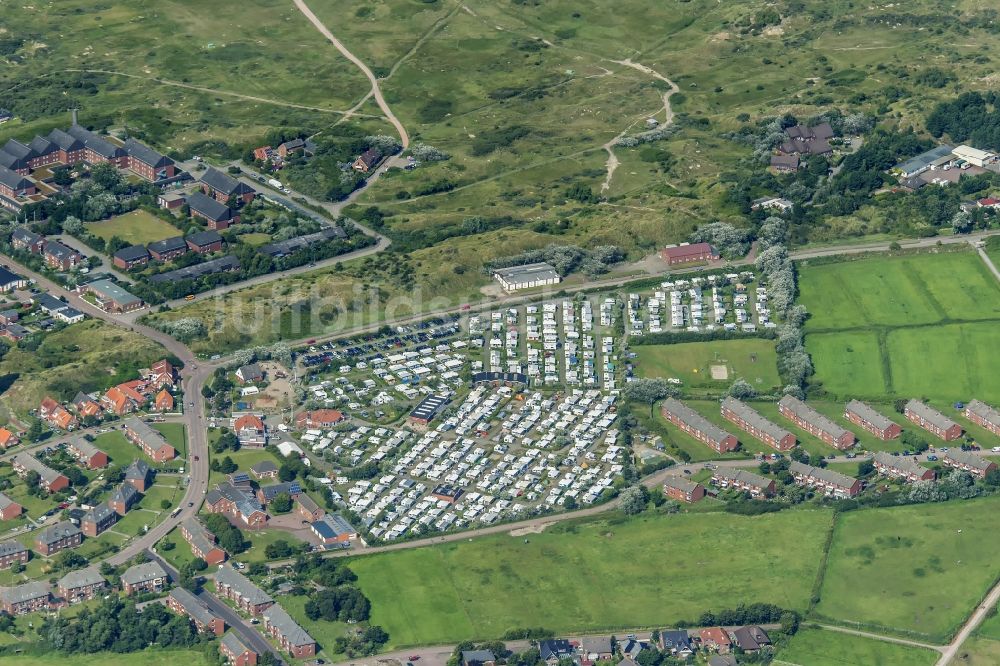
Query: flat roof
(108, 289)
(527, 273)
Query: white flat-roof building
(974, 156)
(527, 276)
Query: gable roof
(224, 183)
(146, 155)
(144, 572)
(132, 253)
(81, 578)
(204, 238)
(168, 245)
(205, 205)
(278, 617)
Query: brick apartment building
(124, 498)
(202, 542)
(241, 506)
(751, 421)
(149, 440)
(815, 423)
(80, 585)
(292, 638)
(698, 426)
(901, 467)
(234, 586)
(87, 454)
(932, 420)
(236, 651)
(743, 480)
(977, 466)
(687, 253)
(183, 602)
(865, 416)
(24, 599)
(9, 509)
(983, 415)
(61, 536)
(49, 479)
(831, 483)
(98, 520)
(682, 490)
(12, 551)
(145, 577)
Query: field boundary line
(881, 637)
(882, 341)
(911, 273)
(814, 597)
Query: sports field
(820, 647)
(919, 325)
(753, 360)
(651, 571)
(138, 228)
(915, 570)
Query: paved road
(404, 138)
(986, 259)
(880, 637)
(193, 378)
(241, 626)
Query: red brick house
(98, 520)
(202, 542)
(204, 242)
(139, 475)
(130, 257)
(234, 586)
(745, 481)
(306, 507)
(55, 538)
(87, 454)
(80, 585)
(149, 440)
(223, 187)
(12, 551)
(977, 466)
(147, 163)
(682, 490)
(49, 479)
(932, 420)
(751, 421)
(367, 160)
(9, 509)
(320, 418)
(687, 253)
(831, 483)
(61, 257)
(292, 638)
(983, 415)
(241, 506)
(698, 426)
(124, 498)
(236, 651)
(815, 423)
(865, 416)
(145, 577)
(168, 249)
(24, 599)
(183, 602)
(56, 415)
(901, 467)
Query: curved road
(404, 138)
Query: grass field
(592, 575)
(917, 569)
(175, 436)
(159, 657)
(978, 651)
(138, 227)
(893, 326)
(753, 360)
(820, 647)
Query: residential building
(124, 498)
(698, 426)
(217, 216)
(306, 507)
(553, 650)
(163, 402)
(236, 651)
(110, 297)
(170, 201)
(12, 551)
(8, 439)
(680, 489)
(184, 602)
(751, 638)
(478, 658)
(830, 482)
(367, 160)
(61, 536)
(265, 469)
(26, 240)
(9, 509)
(319, 418)
(292, 245)
(26, 598)
(234, 586)
(901, 467)
(202, 542)
(932, 420)
(688, 253)
(241, 506)
(745, 481)
(596, 648)
(751, 421)
(149, 440)
(161, 374)
(130, 257)
(223, 187)
(250, 373)
(803, 140)
(267, 493)
(147, 163)
(87, 454)
(676, 643)
(977, 466)
(10, 281)
(168, 249)
(716, 639)
(48, 478)
(139, 475)
(865, 416)
(204, 242)
(251, 431)
(292, 638)
(785, 163)
(80, 585)
(56, 415)
(61, 257)
(983, 415)
(526, 276)
(333, 529)
(146, 577)
(815, 423)
(98, 519)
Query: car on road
(197, 458)
(687, 471)
(932, 458)
(413, 657)
(189, 297)
(190, 503)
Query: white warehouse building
(527, 276)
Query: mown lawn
(149, 656)
(175, 436)
(138, 227)
(602, 574)
(917, 570)
(820, 647)
(754, 360)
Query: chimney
(73, 111)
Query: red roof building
(687, 253)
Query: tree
(648, 391)
(866, 468)
(227, 466)
(278, 549)
(742, 390)
(634, 500)
(282, 503)
(35, 431)
(286, 472)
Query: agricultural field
(138, 227)
(914, 570)
(754, 360)
(151, 655)
(896, 326)
(820, 647)
(589, 575)
(88, 356)
(978, 651)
